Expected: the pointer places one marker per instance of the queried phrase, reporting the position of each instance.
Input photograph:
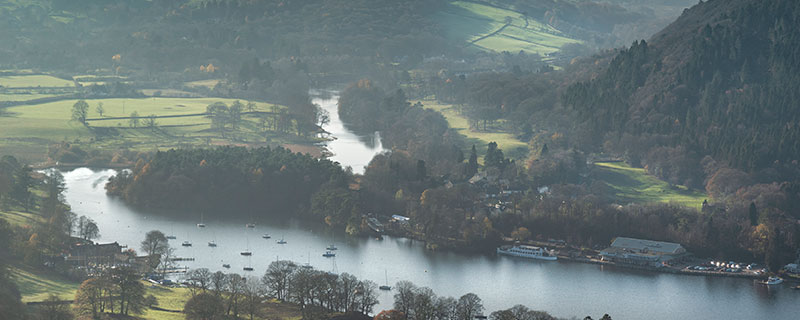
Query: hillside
(721, 81)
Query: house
(97, 253)
(642, 252)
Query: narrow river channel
(562, 288)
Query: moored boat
(328, 254)
(226, 265)
(772, 281)
(530, 252)
(250, 225)
(212, 243)
(186, 244)
(266, 236)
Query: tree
(89, 298)
(253, 294)
(134, 119)
(277, 278)
(130, 291)
(494, 156)
(54, 186)
(753, 214)
(469, 306)
(404, 298)
(235, 114)
(199, 278)
(155, 243)
(87, 228)
(472, 165)
(204, 306)
(79, 111)
(150, 121)
(23, 181)
(99, 109)
(53, 309)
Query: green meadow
(29, 129)
(472, 22)
(634, 185)
(511, 146)
(33, 81)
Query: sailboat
(201, 224)
(281, 241)
(328, 254)
(386, 286)
(172, 233)
(250, 225)
(246, 251)
(266, 236)
(213, 243)
(308, 264)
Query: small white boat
(250, 225)
(186, 244)
(385, 286)
(266, 236)
(530, 252)
(332, 247)
(328, 254)
(772, 281)
(201, 225)
(171, 237)
(246, 253)
(212, 243)
(281, 241)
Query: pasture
(511, 146)
(29, 129)
(492, 28)
(634, 185)
(34, 81)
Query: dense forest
(227, 178)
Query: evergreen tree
(472, 165)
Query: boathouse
(642, 252)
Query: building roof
(647, 245)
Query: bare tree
(277, 278)
(253, 294)
(199, 280)
(469, 306)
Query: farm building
(642, 252)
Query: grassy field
(635, 185)
(511, 147)
(36, 287)
(472, 22)
(203, 83)
(29, 129)
(38, 80)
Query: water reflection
(562, 288)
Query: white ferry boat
(528, 252)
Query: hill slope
(721, 81)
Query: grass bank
(634, 185)
(511, 146)
(494, 28)
(28, 130)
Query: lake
(563, 289)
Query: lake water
(349, 148)
(562, 288)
